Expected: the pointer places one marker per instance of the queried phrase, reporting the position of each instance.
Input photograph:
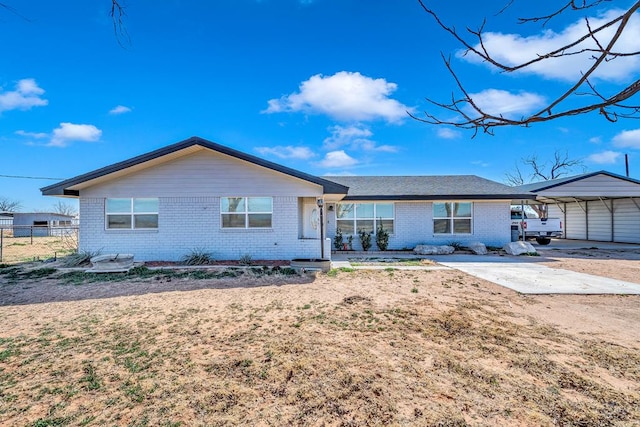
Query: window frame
(452, 217)
(246, 213)
(131, 213)
(376, 219)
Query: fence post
(31, 233)
(1, 242)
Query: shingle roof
(439, 187)
(62, 188)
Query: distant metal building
(40, 223)
(6, 219)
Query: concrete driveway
(527, 276)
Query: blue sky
(318, 85)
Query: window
(452, 217)
(246, 212)
(131, 214)
(353, 217)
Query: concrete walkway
(522, 274)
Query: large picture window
(353, 217)
(246, 212)
(452, 217)
(129, 214)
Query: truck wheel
(543, 240)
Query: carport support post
(522, 219)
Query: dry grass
(21, 249)
(351, 348)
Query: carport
(600, 206)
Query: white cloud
(604, 157)
(26, 95)
(382, 148)
(343, 173)
(287, 152)
(595, 140)
(36, 135)
(341, 136)
(119, 109)
(68, 132)
(512, 49)
(356, 137)
(337, 159)
(480, 163)
(344, 96)
(447, 133)
(627, 139)
(496, 101)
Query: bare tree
(65, 208)
(541, 170)
(8, 205)
(580, 97)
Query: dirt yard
(346, 348)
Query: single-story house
(600, 206)
(199, 195)
(39, 224)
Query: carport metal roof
(601, 185)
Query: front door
(310, 221)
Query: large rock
(433, 250)
(519, 248)
(478, 248)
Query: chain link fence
(36, 243)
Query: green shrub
(338, 240)
(197, 257)
(382, 238)
(246, 259)
(365, 239)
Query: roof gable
(65, 188)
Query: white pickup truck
(542, 229)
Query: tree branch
(469, 115)
(117, 15)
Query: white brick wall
(414, 226)
(188, 223)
